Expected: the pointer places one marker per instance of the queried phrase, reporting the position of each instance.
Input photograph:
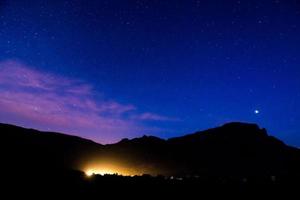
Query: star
(256, 112)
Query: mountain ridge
(229, 150)
(144, 137)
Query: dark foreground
(75, 184)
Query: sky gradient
(110, 69)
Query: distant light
(109, 169)
(90, 173)
(256, 111)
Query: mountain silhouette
(232, 150)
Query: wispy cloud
(57, 103)
(153, 117)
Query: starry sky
(110, 69)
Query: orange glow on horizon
(103, 169)
(91, 172)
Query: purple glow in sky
(46, 101)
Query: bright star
(256, 111)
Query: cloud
(153, 117)
(48, 101)
(17, 75)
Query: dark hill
(31, 149)
(232, 150)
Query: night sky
(110, 69)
